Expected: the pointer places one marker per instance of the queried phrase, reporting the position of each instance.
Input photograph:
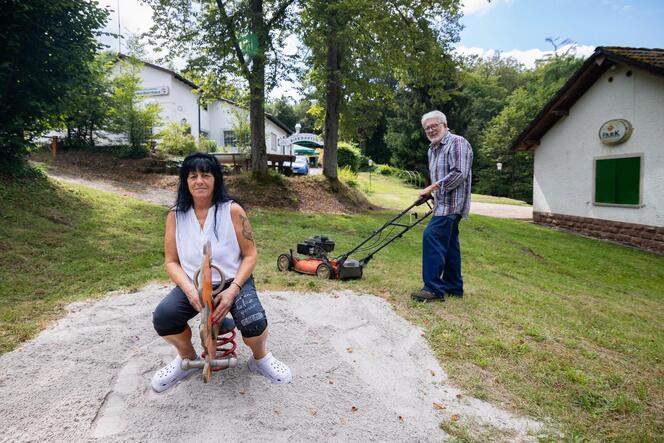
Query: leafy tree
(46, 50)
(483, 85)
(241, 129)
(230, 38)
(136, 47)
(515, 178)
(284, 111)
(128, 114)
(360, 50)
(86, 108)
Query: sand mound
(361, 373)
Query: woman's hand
(224, 302)
(192, 295)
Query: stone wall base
(650, 238)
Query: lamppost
(499, 167)
(370, 168)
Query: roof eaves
(631, 61)
(160, 68)
(572, 90)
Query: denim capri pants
(172, 314)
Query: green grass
(60, 243)
(390, 192)
(553, 325)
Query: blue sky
(517, 28)
(520, 27)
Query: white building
(599, 149)
(179, 103)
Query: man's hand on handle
(426, 192)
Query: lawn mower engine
(317, 262)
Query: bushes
(176, 139)
(413, 178)
(348, 156)
(207, 145)
(348, 176)
(387, 170)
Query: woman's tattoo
(246, 229)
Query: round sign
(615, 131)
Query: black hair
(201, 162)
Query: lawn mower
(316, 249)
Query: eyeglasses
(431, 127)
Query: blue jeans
(441, 256)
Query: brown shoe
(424, 295)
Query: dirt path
(151, 194)
(87, 378)
(167, 198)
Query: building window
(618, 181)
(273, 142)
(229, 139)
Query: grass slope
(552, 325)
(60, 243)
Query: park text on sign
(615, 131)
(159, 90)
(305, 138)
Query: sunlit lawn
(552, 325)
(390, 192)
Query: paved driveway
(502, 211)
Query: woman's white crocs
(170, 375)
(271, 368)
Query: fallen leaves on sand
(455, 417)
(438, 406)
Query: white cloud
(528, 56)
(135, 17)
(471, 7)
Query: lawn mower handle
(421, 200)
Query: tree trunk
(332, 105)
(257, 91)
(257, 122)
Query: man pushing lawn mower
(450, 162)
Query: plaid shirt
(450, 165)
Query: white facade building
(179, 103)
(599, 149)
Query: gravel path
(361, 373)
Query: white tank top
(190, 239)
